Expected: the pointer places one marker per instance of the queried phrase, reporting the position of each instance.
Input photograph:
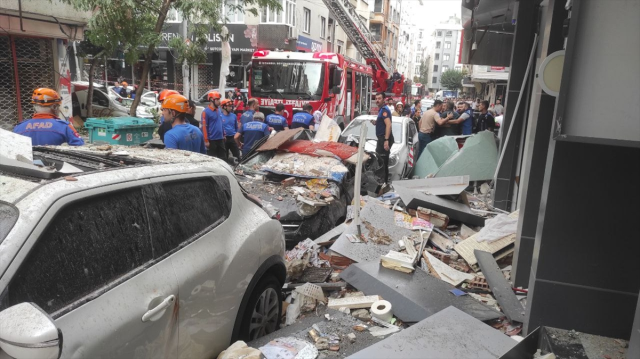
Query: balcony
(376, 18)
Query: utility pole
(185, 66)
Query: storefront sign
(242, 38)
(307, 44)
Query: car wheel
(264, 309)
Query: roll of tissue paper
(382, 310)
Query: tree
(135, 26)
(423, 75)
(87, 49)
(452, 79)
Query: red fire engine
(332, 83)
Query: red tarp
(316, 148)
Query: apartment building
(444, 50)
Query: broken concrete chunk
(362, 314)
(466, 232)
(398, 261)
(288, 181)
(351, 337)
(353, 302)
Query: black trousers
(384, 154)
(217, 149)
(233, 146)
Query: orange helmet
(45, 97)
(213, 94)
(125, 84)
(176, 102)
(165, 93)
(226, 101)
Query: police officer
(252, 132)
(230, 127)
(212, 127)
(304, 119)
(276, 120)
(45, 128)
(383, 133)
(182, 135)
(164, 127)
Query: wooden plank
(353, 302)
(498, 248)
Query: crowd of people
(451, 117)
(231, 126)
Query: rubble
(240, 350)
(500, 288)
(362, 314)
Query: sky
(432, 12)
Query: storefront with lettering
(306, 44)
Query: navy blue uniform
(302, 119)
(278, 122)
(380, 133)
(252, 132)
(247, 117)
(185, 137)
(45, 130)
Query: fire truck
(333, 84)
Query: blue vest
(251, 132)
(278, 122)
(49, 131)
(302, 119)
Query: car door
(91, 266)
(101, 105)
(193, 215)
(413, 144)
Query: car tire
(264, 309)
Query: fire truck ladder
(357, 31)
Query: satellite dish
(550, 73)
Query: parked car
(151, 254)
(403, 150)
(105, 104)
(148, 99)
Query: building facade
(445, 50)
(33, 53)
(384, 24)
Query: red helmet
(45, 97)
(213, 95)
(176, 102)
(165, 93)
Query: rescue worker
(45, 128)
(164, 127)
(304, 119)
(276, 120)
(251, 132)
(123, 91)
(230, 127)
(182, 135)
(212, 127)
(252, 107)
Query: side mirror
(28, 332)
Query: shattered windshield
(354, 129)
(287, 79)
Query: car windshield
(354, 129)
(287, 79)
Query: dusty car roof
(107, 160)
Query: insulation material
(498, 227)
(328, 131)
(435, 155)
(330, 149)
(499, 248)
(478, 158)
(299, 165)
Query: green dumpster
(125, 131)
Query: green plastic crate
(127, 131)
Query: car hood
(370, 146)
